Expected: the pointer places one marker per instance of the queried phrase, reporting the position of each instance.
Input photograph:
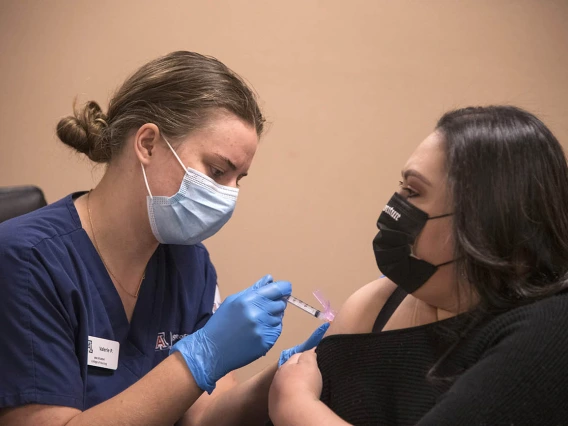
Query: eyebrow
(411, 172)
(226, 160)
(229, 163)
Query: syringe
(307, 308)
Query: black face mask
(399, 224)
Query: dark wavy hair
(508, 177)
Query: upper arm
(38, 358)
(360, 310)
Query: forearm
(193, 416)
(159, 398)
(247, 403)
(302, 412)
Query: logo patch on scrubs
(162, 342)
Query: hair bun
(84, 131)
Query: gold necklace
(102, 258)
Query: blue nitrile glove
(312, 342)
(244, 328)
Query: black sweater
(510, 370)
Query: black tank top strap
(394, 300)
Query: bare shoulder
(360, 310)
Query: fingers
(270, 320)
(275, 290)
(285, 356)
(275, 307)
(315, 338)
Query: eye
(216, 173)
(409, 191)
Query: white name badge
(103, 353)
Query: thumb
(315, 338)
(276, 290)
(260, 283)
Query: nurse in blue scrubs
(106, 296)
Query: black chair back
(18, 200)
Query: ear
(145, 141)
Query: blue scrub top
(55, 292)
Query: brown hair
(178, 92)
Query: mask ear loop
(440, 216)
(430, 218)
(445, 263)
(144, 171)
(175, 153)
(146, 180)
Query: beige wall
(351, 87)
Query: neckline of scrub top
(136, 332)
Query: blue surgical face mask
(196, 212)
